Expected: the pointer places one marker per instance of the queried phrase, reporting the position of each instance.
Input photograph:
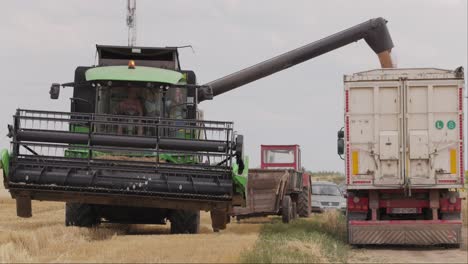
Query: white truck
(403, 147)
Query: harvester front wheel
(81, 215)
(185, 222)
(303, 204)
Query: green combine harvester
(135, 149)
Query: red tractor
(279, 187)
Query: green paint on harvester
(439, 124)
(4, 162)
(140, 74)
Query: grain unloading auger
(135, 149)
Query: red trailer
(279, 187)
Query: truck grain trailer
(279, 187)
(403, 146)
(133, 147)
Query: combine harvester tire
(185, 222)
(81, 215)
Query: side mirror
(54, 91)
(340, 142)
(340, 146)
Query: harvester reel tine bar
(228, 150)
(156, 147)
(166, 179)
(193, 183)
(76, 149)
(94, 173)
(41, 173)
(90, 152)
(30, 150)
(68, 175)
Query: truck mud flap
(407, 232)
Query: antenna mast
(131, 22)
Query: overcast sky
(44, 41)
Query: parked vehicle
(327, 196)
(403, 147)
(279, 187)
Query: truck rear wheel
(303, 205)
(450, 216)
(185, 222)
(287, 209)
(81, 215)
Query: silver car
(326, 196)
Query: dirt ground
(44, 238)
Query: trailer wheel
(357, 216)
(294, 210)
(347, 227)
(303, 205)
(450, 216)
(286, 210)
(452, 245)
(81, 215)
(185, 222)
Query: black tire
(294, 210)
(352, 216)
(286, 210)
(450, 216)
(185, 222)
(347, 226)
(303, 205)
(452, 245)
(81, 215)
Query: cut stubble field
(318, 239)
(44, 238)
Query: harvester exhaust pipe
(374, 32)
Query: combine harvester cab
(403, 146)
(131, 149)
(279, 187)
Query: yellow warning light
(131, 64)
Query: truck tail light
(358, 204)
(447, 206)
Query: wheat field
(44, 238)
